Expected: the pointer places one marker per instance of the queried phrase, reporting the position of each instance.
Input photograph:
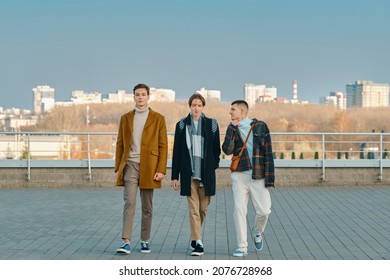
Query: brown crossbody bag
(236, 159)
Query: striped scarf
(195, 144)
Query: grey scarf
(195, 144)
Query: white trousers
(243, 187)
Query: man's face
(141, 98)
(235, 113)
(196, 108)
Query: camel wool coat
(154, 149)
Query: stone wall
(105, 177)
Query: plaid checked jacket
(262, 158)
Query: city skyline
(186, 45)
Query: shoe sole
(241, 255)
(123, 252)
(197, 254)
(145, 251)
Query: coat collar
(187, 119)
(149, 120)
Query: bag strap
(246, 140)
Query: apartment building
(367, 94)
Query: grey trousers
(131, 179)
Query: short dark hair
(196, 96)
(142, 86)
(241, 103)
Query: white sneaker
(258, 241)
(240, 252)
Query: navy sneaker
(258, 241)
(193, 244)
(124, 248)
(198, 251)
(145, 248)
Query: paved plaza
(319, 223)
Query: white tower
(295, 90)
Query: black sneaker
(198, 251)
(193, 244)
(145, 247)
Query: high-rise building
(210, 95)
(162, 95)
(258, 93)
(44, 99)
(82, 97)
(367, 94)
(156, 94)
(119, 97)
(336, 98)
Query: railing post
(89, 175)
(323, 158)
(28, 158)
(380, 176)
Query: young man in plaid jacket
(255, 173)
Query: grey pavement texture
(318, 223)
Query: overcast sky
(106, 45)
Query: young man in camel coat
(140, 162)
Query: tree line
(279, 117)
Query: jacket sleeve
(216, 145)
(268, 159)
(176, 155)
(228, 143)
(163, 147)
(119, 145)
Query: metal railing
(97, 149)
(333, 150)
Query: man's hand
(158, 176)
(234, 122)
(175, 185)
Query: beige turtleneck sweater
(140, 117)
